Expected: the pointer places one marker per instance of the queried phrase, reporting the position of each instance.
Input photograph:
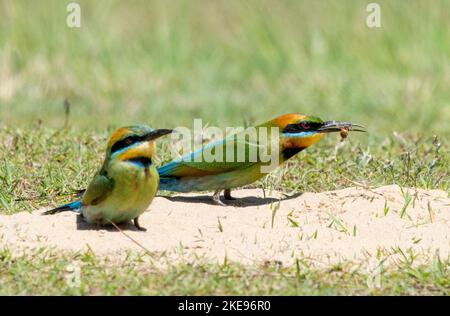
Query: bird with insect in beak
(126, 183)
(296, 132)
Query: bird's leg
(227, 195)
(216, 198)
(139, 227)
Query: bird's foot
(227, 195)
(139, 227)
(216, 199)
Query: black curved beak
(334, 126)
(157, 133)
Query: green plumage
(246, 157)
(121, 194)
(127, 182)
(229, 163)
(99, 189)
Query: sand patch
(325, 228)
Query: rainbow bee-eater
(126, 183)
(295, 132)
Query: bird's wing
(243, 152)
(98, 190)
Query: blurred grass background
(166, 62)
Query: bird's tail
(73, 207)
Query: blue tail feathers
(73, 207)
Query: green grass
(229, 63)
(49, 273)
(226, 62)
(41, 166)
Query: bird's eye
(128, 141)
(305, 125)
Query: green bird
(194, 172)
(126, 183)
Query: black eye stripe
(123, 143)
(301, 127)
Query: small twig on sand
(362, 185)
(131, 238)
(359, 184)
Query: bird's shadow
(83, 225)
(238, 202)
(206, 199)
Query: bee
(343, 133)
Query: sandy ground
(321, 228)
